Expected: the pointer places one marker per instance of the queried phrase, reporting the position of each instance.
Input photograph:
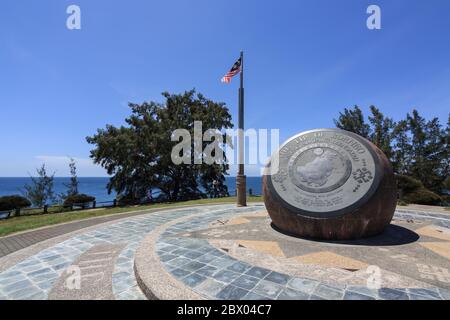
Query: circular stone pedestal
(330, 184)
(223, 252)
(230, 253)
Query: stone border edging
(137, 212)
(152, 278)
(155, 282)
(16, 257)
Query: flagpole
(241, 185)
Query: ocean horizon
(96, 186)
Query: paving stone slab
(231, 292)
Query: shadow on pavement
(394, 235)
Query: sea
(96, 187)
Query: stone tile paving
(434, 217)
(34, 277)
(439, 219)
(207, 270)
(12, 243)
(215, 275)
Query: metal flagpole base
(241, 187)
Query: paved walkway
(235, 254)
(15, 242)
(224, 252)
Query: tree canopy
(72, 186)
(138, 154)
(416, 147)
(40, 191)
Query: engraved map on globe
(320, 170)
(316, 172)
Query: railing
(59, 208)
(77, 207)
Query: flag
(234, 71)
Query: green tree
(72, 186)
(428, 151)
(416, 147)
(138, 155)
(382, 131)
(401, 159)
(446, 157)
(447, 184)
(353, 120)
(40, 191)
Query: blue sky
(305, 62)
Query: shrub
(446, 199)
(127, 200)
(408, 184)
(8, 203)
(413, 191)
(447, 184)
(81, 200)
(423, 196)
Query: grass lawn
(17, 224)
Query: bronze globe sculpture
(329, 184)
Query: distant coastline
(96, 186)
